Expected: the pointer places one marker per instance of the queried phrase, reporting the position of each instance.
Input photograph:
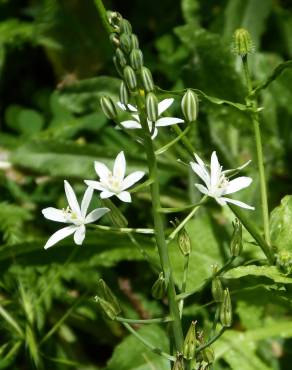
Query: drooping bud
(178, 364)
(115, 215)
(284, 261)
(236, 240)
(121, 58)
(152, 107)
(136, 58)
(190, 342)
(125, 42)
(134, 41)
(242, 42)
(190, 105)
(184, 242)
(124, 94)
(159, 289)
(114, 39)
(226, 309)
(147, 79)
(107, 309)
(130, 78)
(108, 107)
(105, 293)
(125, 26)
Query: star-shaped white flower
(74, 215)
(163, 121)
(217, 183)
(114, 182)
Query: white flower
(114, 182)
(164, 121)
(217, 184)
(74, 215)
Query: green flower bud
(125, 42)
(121, 58)
(114, 19)
(124, 94)
(190, 342)
(130, 78)
(118, 66)
(226, 309)
(134, 41)
(125, 26)
(242, 42)
(152, 107)
(190, 105)
(105, 293)
(114, 39)
(179, 364)
(106, 308)
(147, 79)
(217, 289)
(108, 107)
(208, 355)
(184, 242)
(136, 58)
(236, 240)
(284, 261)
(159, 289)
(115, 215)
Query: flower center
(72, 217)
(113, 183)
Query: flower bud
(217, 289)
(125, 42)
(152, 107)
(190, 342)
(114, 39)
(134, 41)
(147, 79)
(121, 58)
(179, 364)
(236, 240)
(226, 309)
(125, 26)
(158, 289)
(118, 66)
(130, 78)
(190, 105)
(284, 261)
(124, 94)
(136, 58)
(106, 308)
(184, 242)
(114, 19)
(242, 42)
(208, 355)
(108, 107)
(105, 293)
(115, 215)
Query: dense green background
(55, 62)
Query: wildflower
(114, 182)
(163, 121)
(74, 215)
(217, 183)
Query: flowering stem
(184, 281)
(148, 321)
(102, 13)
(179, 209)
(124, 230)
(252, 103)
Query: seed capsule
(130, 78)
(217, 289)
(158, 289)
(226, 309)
(184, 242)
(125, 42)
(152, 107)
(108, 107)
(106, 308)
(242, 42)
(236, 240)
(105, 293)
(190, 342)
(190, 105)
(147, 79)
(136, 58)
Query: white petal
(96, 214)
(106, 194)
(199, 160)
(164, 104)
(131, 124)
(167, 121)
(59, 235)
(86, 200)
(79, 235)
(202, 188)
(119, 166)
(124, 196)
(121, 105)
(238, 203)
(201, 172)
(102, 170)
(155, 133)
(132, 108)
(237, 184)
(95, 185)
(71, 197)
(131, 179)
(221, 201)
(136, 117)
(54, 214)
(215, 169)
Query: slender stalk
(123, 230)
(187, 144)
(174, 141)
(148, 321)
(251, 102)
(212, 340)
(184, 282)
(102, 13)
(178, 209)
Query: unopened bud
(106, 308)
(114, 19)
(184, 242)
(178, 364)
(125, 42)
(236, 240)
(208, 355)
(134, 41)
(217, 289)
(152, 107)
(115, 215)
(226, 309)
(190, 342)
(242, 42)
(158, 289)
(105, 293)
(108, 107)
(118, 66)
(125, 26)
(147, 79)
(130, 78)
(124, 94)
(284, 261)
(190, 105)
(121, 58)
(136, 58)
(114, 39)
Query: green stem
(174, 141)
(251, 102)
(212, 340)
(178, 209)
(152, 348)
(103, 16)
(123, 230)
(184, 282)
(160, 320)
(184, 140)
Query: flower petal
(106, 194)
(215, 169)
(164, 104)
(86, 200)
(237, 203)
(132, 108)
(71, 197)
(131, 179)
(101, 170)
(79, 235)
(119, 166)
(131, 124)
(201, 172)
(237, 184)
(199, 160)
(155, 133)
(122, 106)
(95, 185)
(167, 121)
(54, 214)
(96, 214)
(202, 188)
(124, 196)
(59, 235)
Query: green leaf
(280, 222)
(131, 354)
